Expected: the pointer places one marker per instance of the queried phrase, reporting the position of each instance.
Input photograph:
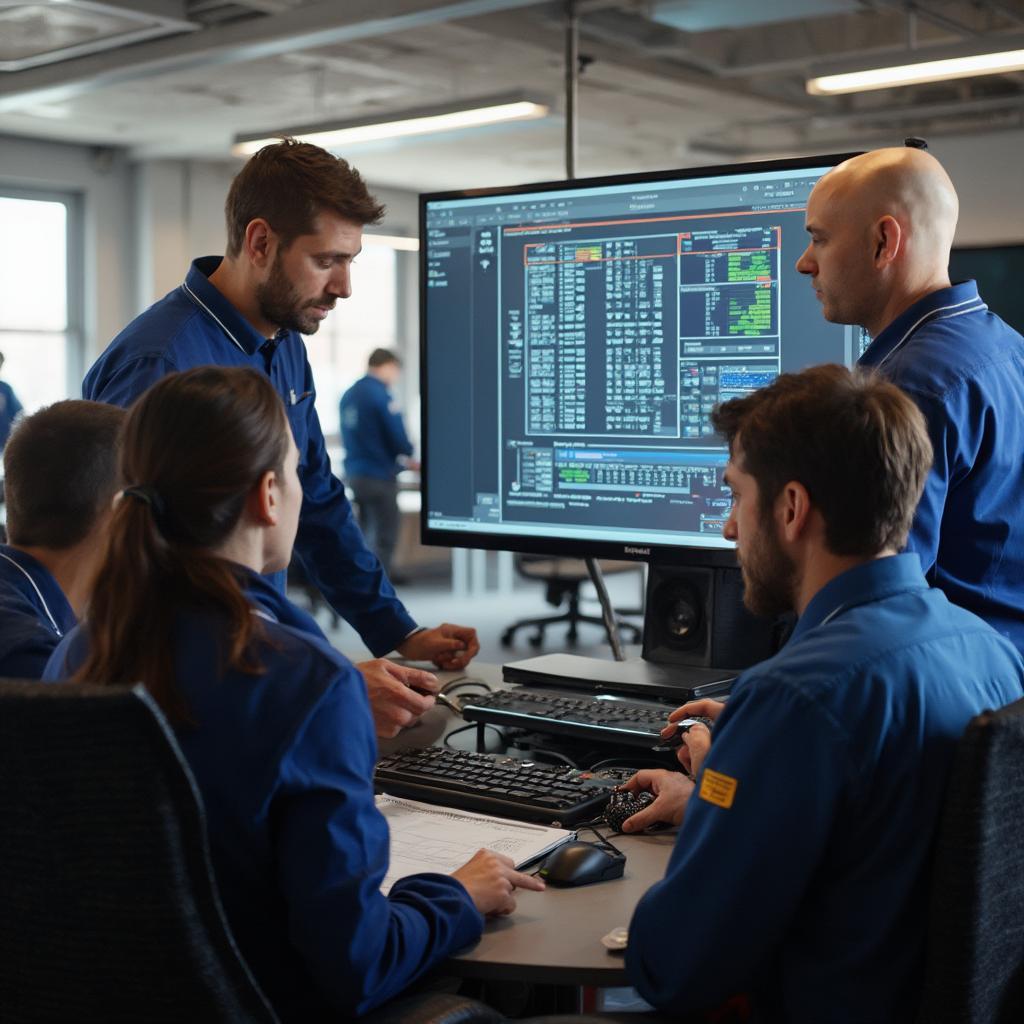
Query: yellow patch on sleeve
(718, 789)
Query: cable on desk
(459, 681)
(466, 728)
(601, 840)
(534, 751)
(634, 763)
(594, 822)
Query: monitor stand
(636, 677)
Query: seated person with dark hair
(799, 876)
(275, 724)
(60, 476)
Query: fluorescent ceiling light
(469, 114)
(919, 72)
(393, 242)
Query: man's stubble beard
(280, 303)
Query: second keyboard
(604, 719)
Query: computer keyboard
(508, 787)
(603, 718)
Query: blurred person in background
(377, 448)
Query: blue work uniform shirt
(34, 615)
(800, 872)
(372, 430)
(284, 761)
(964, 368)
(194, 325)
(10, 408)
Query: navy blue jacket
(34, 615)
(372, 431)
(284, 761)
(799, 873)
(9, 409)
(964, 368)
(194, 325)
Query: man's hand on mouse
(448, 646)
(672, 791)
(491, 880)
(393, 701)
(697, 742)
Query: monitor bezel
(661, 554)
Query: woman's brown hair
(193, 447)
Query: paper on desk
(425, 837)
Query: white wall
(102, 178)
(988, 171)
(179, 215)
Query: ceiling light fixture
(471, 113)
(932, 66)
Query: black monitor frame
(661, 554)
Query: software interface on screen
(576, 341)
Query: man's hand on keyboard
(393, 703)
(671, 794)
(697, 741)
(448, 646)
(491, 880)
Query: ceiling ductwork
(35, 34)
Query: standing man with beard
(799, 876)
(295, 217)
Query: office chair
(109, 911)
(974, 969)
(563, 578)
(108, 907)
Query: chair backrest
(108, 907)
(975, 956)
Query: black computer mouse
(580, 864)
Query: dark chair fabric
(108, 907)
(975, 955)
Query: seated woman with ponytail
(275, 724)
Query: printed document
(425, 837)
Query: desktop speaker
(696, 616)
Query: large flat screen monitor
(575, 338)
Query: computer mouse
(579, 863)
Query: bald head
(881, 227)
(906, 184)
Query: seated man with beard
(799, 876)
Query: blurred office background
(117, 123)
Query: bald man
(881, 228)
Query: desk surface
(554, 937)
